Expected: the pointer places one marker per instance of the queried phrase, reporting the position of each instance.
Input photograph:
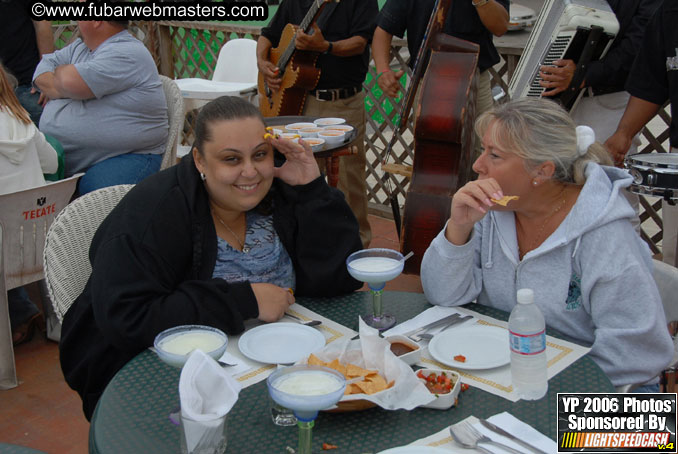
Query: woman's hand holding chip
(469, 205)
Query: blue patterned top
(266, 261)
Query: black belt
(335, 93)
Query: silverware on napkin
(498, 430)
(428, 326)
(428, 336)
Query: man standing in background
(23, 42)
(341, 38)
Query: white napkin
(516, 427)
(374, 352)
(207, 393)
(430, 315)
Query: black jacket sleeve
(319, 231)
(147, 277)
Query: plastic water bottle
(527, 339)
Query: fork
(468, 437)
(428, 336)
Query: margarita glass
(376, 267)
(306, 390)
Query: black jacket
(152, 262)
(609, 74)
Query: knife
(498, 430)
(427, 336)
(428, 326)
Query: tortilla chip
(353, 371)
(505, 200)
(336, 365)
(315, 361)
(378, 381)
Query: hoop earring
(202, 176)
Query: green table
(132, 415)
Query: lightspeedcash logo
(152, 10)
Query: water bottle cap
(525, 296)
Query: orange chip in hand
(505, 200)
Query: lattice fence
(190, 49)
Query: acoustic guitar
(297, 69)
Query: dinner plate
(280, 343)
(484, 347)
(416, 450)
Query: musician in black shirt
(654, 80)
(605, 98)
(341, 36)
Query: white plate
(416, 450)
(280, 343)
(484, 347)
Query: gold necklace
(535, 241)
(244, 248)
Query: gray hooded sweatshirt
(592, 278)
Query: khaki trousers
(352, 175)
(484, 102)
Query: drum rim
(635, 160)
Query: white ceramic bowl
(174, 350)
(329, 121)
(412, 357)
(344, 128)
(332, 138)
(316, 143)
(443, 401)
(294, 127)
(310, 132)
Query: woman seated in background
(567, 236)
(24, 156)
(215, 240)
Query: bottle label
(527, 344)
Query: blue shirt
(266, 261)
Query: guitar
(297, 70)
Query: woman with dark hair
(215, 240)
(567, 235)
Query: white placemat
(249, 372)
(506, 421)
(559, 353)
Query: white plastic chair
(25, 217)
(175, 115)
(66, 254)
(237, 62)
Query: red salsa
(437, 383)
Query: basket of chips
(375, 376)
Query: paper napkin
(207, 393)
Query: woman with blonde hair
(567, 235)
(24, 156)
(24, 153)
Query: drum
(654, 174)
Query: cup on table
(280, 415)
(203, 437)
